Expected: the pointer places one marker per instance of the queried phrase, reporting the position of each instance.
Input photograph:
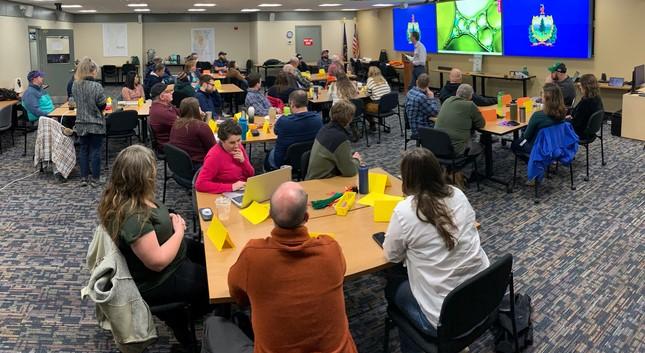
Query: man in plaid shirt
(421, 105)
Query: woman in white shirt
(377, 87)
(433, 231)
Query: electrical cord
(17, 180)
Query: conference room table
(353, 232)
(7, 103)
(485, 75)
(232, 89)
(324, 96)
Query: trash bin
(616, 123)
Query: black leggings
(187, 284)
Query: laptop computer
(260, 187)
(616, 81)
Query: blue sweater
(37, 102)
(300, 127)
(209, 102)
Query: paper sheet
(368, 200)
(256, 213)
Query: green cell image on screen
(469, 27)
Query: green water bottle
(500, 106)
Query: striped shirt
(377, 90)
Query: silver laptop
(616, 81)
(260, 187)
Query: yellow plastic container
(345, 203)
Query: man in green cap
(558, 75)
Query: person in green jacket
(458, 117)
(554, 112)
(331, 153)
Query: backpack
(8, 94)
(502, 328)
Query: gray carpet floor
(578, 254)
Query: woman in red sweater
(191, 133)
(226, 166)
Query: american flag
(356, 49)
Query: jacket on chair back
(554, 143)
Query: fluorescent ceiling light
(71, 6)
(137, 5)
(301, 9)
(141, 10)
(329, 5)
(382, 5)
(86, 11)
(349, 10)
(269, 5)
(196, 10)
(250, 10)
(210, 4)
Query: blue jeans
(416, 72)
(90, 155)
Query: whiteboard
(203, 43)
(115, 39)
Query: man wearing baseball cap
(162, 113)
(302, 65)
(558, 75)
(208, 97)
(324, 61)
(221, 64)
(35, 100)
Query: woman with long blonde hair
(343, 88)
(377, 87)
(165, 266)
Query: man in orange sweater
(293, 283)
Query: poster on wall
(203, 43)
(115, 39)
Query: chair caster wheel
(586, 179)
(573, 188)
(536, 201)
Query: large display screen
(470, 27)
(548, 28)
(421, 19)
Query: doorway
(309, 42)
(56, 59)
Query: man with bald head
(450, 90)
(294, 283)
(303, 82)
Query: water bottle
(522, 114)
(363, 179)
(513, 108)
(251, 113)
(500, 106)
(71, 103)
(244, 125)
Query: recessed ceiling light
(269, 5)
(141, 10)
(137, 5)
(196, 10)
(71, 6)
(349, 10)
(210, 4)
(329, 5)
(382, 5)
(301, 9)
(86, 11)
(250, 10)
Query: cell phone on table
(379, 238)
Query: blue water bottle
(244, 125)
(363, 179)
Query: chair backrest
(360, 107)
(594, 124)
(304, 164)
(195, 193)
(203, 65)
(249, 66)
(5, 117)
(437, 141)
(109, 69)
(125, 120)
(388, 102)
(154, 143)
(126, 68)
(269, 81)
(180, 164)
(473, 301)
(294, 152)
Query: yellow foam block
(218, 235)
(256, 213)
(345, 203)
(321, 72)
(237, 116)
(213, 125)
(383, 209)
(218, 84)
(378, 182)
(369, 199)
(317, 234)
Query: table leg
(524, 87)
(487, 141)
(475, 84)
(483, 79)
(144, 129)
(440, 80)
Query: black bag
(616, 123)
(503, 330)
(7, 94)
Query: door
(56, 48)
(309, 43)
(34, 57)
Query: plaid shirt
(420, 108)
(258, 101)
(303, 82)
(53, 146)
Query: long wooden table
(353, 232)
(325, 97)
(8, 103)
(63, 110)
(483, 76)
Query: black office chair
(407, 139)
(172, 309)
(21, 123)
(358, 119)
(439, 143)
(108, 71)
(467, 312)
(195, 208)
(248, 68)
(6, 123)
(269, 81)
(304, 164)
(388, 105)
(392, 77)
(590, 134)
(156, 147)
(120, 125)
(181, 167)
(203, 65)
(125, 69)
(293, 158)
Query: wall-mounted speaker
(27, 10)
(272, 16)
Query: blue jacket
(37, 102)
(294, 128)
(554, 143)
(209, 102)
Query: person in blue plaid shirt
(421, 105)
(255, 98)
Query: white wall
(88, 41)
(14, 60)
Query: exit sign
(308, 42)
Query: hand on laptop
(238, 156)
(239, 185)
